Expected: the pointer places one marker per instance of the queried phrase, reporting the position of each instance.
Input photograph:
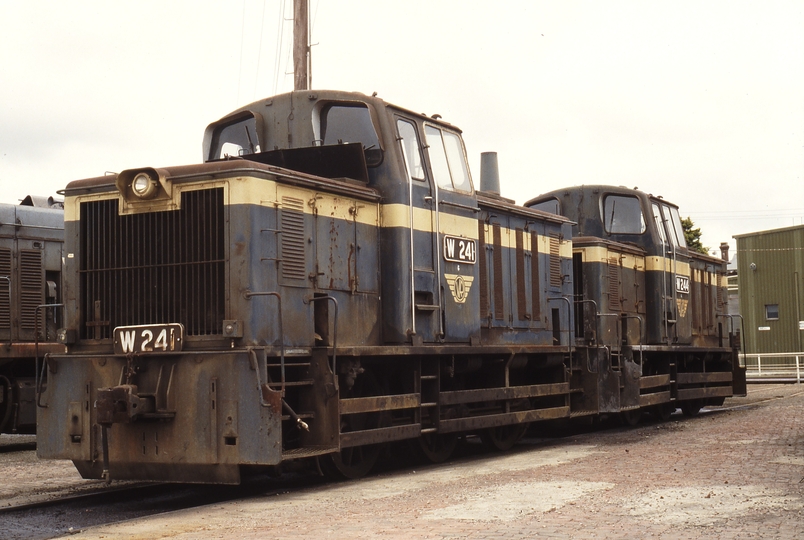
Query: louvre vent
(614, 284)
(5, 286)
(696, 290)
(555, 262)
(521, 297)
(484, 272)
(535, 277)
(160, 267)
(292, 238)
(32, 292)
(499, 303)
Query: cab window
(411, 149)
(550, 205)
(622, 215)
(237, 138)
(657, 218)
(342, 123)
(675, 230)
(447, 159)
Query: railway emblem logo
(682, 307)
(459, 286)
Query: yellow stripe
(398, 215)
(656, 263)
(602, 255)
(269, 193)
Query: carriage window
(236, 139)
(411, 149)
(771, 312)
(448, 159)
(350, 123)
(622, 215)
(550, 205)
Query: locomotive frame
(347, 288)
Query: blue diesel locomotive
(330, 279)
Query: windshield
(622, 215)
(237, 138)
(342, 123)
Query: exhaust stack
(489, 173)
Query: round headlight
(143, 186)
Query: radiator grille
(32, 291)
(5, 299)
(161, 267)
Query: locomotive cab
(684, 291)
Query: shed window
(771, 312)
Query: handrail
(410, 234)
(639, 341)
(743, 336)
(597, 330)
(40, 377)
(334, 326)
(247, 295)
(776, 371)
(569, 322)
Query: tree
(693, 236)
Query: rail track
(99, 504)
(70, 514)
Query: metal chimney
(489, 173)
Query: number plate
(459, 250)
(148, 338)
(683, 284)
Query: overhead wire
(242, 39)
(280, 37)
(259, 52)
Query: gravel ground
(733, 472)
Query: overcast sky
(701, 102)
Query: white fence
(777, 366)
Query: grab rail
(40, 377)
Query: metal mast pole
(301, 47)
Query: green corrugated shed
(770, 266)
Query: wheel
(663, 411)
(692, 407)
(351, 463)
(503, 437)
(6, 404)
(357, 461)
(631, 417)
(436, 447)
